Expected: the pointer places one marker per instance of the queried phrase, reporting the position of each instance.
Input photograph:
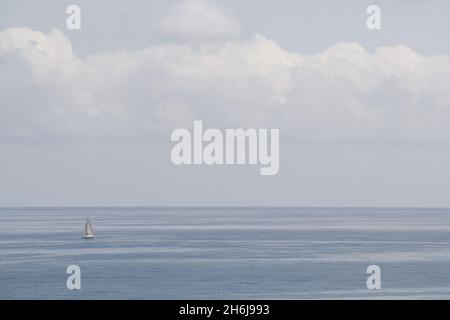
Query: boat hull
(88, 237)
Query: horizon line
(217, 207)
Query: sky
(86, 115)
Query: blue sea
(225, 253)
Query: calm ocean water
(225, 253)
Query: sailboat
(88, 231)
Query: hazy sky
(86, 115)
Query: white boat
(88, 231)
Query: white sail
(88, 230)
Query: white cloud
(342, 93)
(200, 18)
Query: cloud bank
(343, 93)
